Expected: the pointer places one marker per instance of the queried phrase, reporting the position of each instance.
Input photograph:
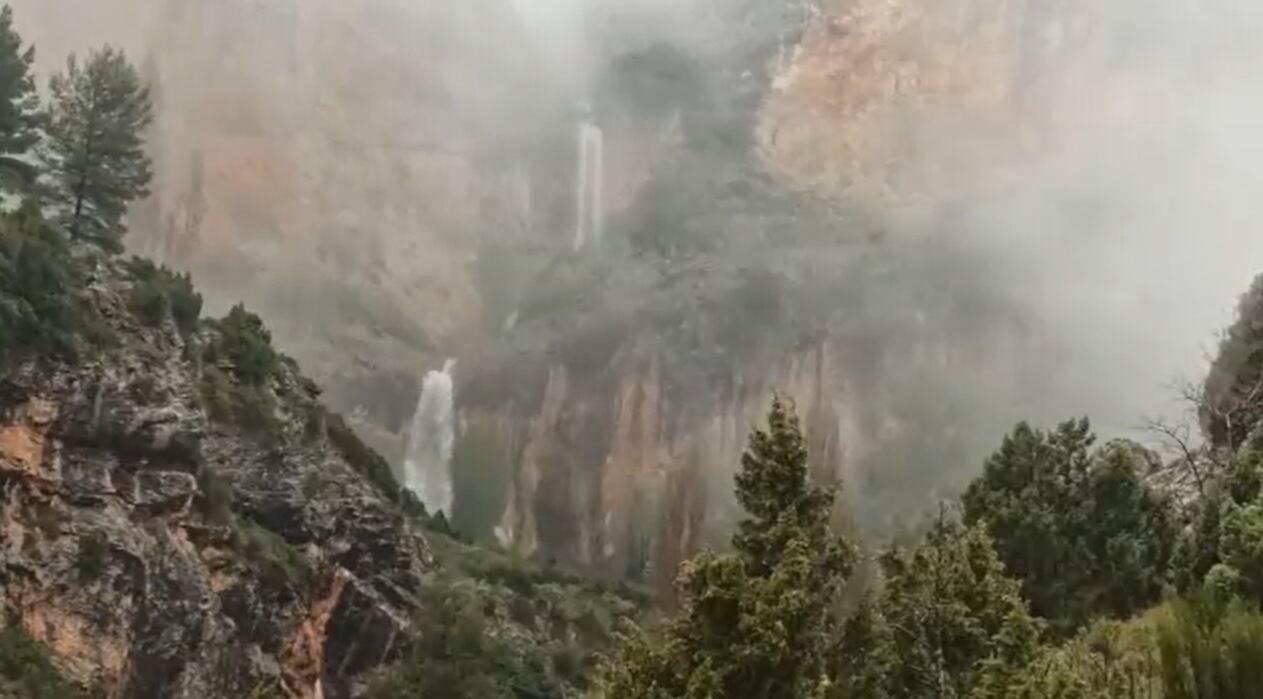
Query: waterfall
(589, 197)
(427, 462)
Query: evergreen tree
(948, 623)
(19, 107)
(755, 623)
(95, 157)
(1080, 528)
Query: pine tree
(19, 107)
(1081, 528)
(948, 623)
(95, 157)
(755, 623)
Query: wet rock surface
(161, 554)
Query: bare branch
(1178, 436)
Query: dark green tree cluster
(948, 623)
(26, 671)
(756, 622)
(41, 287)
(160, 293)
(237, 365)
(82, 158)
(460, 656)
(72, 167)
(1059, 539)
(1223, 545)
(1079, 527)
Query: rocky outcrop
(159, 553)
(626, 470)
(917, 102)
(1231, 402)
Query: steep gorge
(784, 189)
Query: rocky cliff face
(161, 553)
(388, 192)
(620, 470)
(920, 102)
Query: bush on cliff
(43, 309)
(159, 293)
(26, 671)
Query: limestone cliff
(160, 552)
(923, 101)
(388, 191)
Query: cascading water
(427, 462)
(589, 194)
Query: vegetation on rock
(95, 157)
(161, 293)
(43, 307)
(26, 672)
(496, 627)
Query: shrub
(279, 564)
(360, 457)
(93, 554)
(42, 305)
(244, 347)
(462, 653)
(1108, 661)
(1224, 529)
(1210, 649)
(251, 407)
(159, 293)
(26, 670)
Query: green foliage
(360, 457)
(948, 623)
(464, 653)
(42, 306)
(278, 563)
(93, 554)
(19, 107)
(481, 476)
(1241, 549)
(1211, 648)
(756, 622)
(243, 346)
(160, 293)
(1081, 529)
(228, 401)
(238, 366)
(26, 672)
(1103, 663)
(1224, 530)
(95, 159)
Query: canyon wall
(158, 551)
(391, 183)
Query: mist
(1130, 240)
(1078, 194)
